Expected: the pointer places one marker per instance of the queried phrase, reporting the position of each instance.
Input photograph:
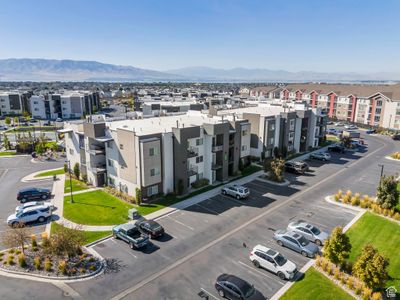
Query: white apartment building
(13, 103)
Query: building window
(36, 109)
(244, 147)
(111, 181)
(272, 126)
(110, 145)
(199, 176)
(71, 151)
(271, 141)
(154, 172)
(199, 142)
(153, 151)
(110, 163)
(291, 135)
(379, 103)
(152, 190)
(199, 159)
(35, 102)
(244, 132)
(121, 146)
(291, 124)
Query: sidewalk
(83, 191)
(58, 201)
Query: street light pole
(70, 180)
(382, 166)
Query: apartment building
(157, 108)
(69, 105)
(158, 155)
(13, 103)
(374, 105)
(295, 128)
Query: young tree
(346, 140)
(277, 154)
(77, 171)
(275, 168)
(39, 148)
(337, 247)
(17, 236)
(7, 121)
(138, 197)
(67, 241)
(16, 120)
(6, 142)
(371, 267)
(387, 194)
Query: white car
(33, 203)
(237, 191)
(339, 124)
(309, 231)
(331, 131)
(350, 126)
(3, 127)
(324, 156)
(273, 261)
(37, 213)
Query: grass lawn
(331, 137)
(384, 235)
(6, 153)
(76, 185)
(51, 173)
(314, 285)
(90, 236)
(398, 204)
(96, 208)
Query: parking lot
(12, 170)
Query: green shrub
(62, 267)
(47, 264)
(37, 262)
(33, 241)
(92, 268)
(21, 260)
(10, 259)
(82, 270)
(73, 271)
(11, 251)
(355, 201)
(200, 183)
(91, 259)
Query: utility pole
(70, 180)
(382, 166)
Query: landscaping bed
(89, 236)
(315, 285)
(7, 153)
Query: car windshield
(315, 230)
(19, 214)
(280, 260)
(248, 290)
(303, 241)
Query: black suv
(299, 167)
(151, 228)
(337, 148)
(31, 194)
(235, 288)
(396, 137)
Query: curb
(284, 183)
(31, 177)
(16, 155)
(329, 199)
(94, 243)
(393, 159)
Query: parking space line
(129, 252)
(337, 209)
(209, 294)
(183, 224)
(261, 273)
(233, 199)
(206, 208)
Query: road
(12, 170)
(207, 239)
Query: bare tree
(17, 236)
(66, 241)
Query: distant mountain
(27, 69)
(248, 75)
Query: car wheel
(115, 236)
(281, 275)
(44, 197)
(237, 197)
(221, 293)
(318, 242)
(23, 200)
(323, 159)
(256, 263)
(280, 243)
(223, 192)
(131, 245)
(14, 224)
(41, 219)
(304, 253)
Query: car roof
(240, 283)
(28, 189)
(35, 207)
(126, 226)
(269, 251)
(291, 234)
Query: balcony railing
(217, 148)
(216, 166)
(192, 170)
(192, 152)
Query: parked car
(273, 261)
(47, 123)
(31, 194)
(131, 234)
(59, 120)
(339, 124)
(235, 288)
(309, 231)
(337, 148)
(38, 213)
(151, 228)
(350, 126)
(33, 203)
(370, 131)
(299, 167)
(331, 131)
(396, 137)
(3, 127)
(296, 242)
(329, 123)
(324, 156)
(237, 191)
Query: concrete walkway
(58, 201)
(83, 191)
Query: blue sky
(316, 35)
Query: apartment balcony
(97, 152)
(231, 143)
(192, 152)
(216, 166)
(217, 148)
(192, 170)
(98, 168)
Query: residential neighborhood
(199, 150)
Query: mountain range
(27, 69)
